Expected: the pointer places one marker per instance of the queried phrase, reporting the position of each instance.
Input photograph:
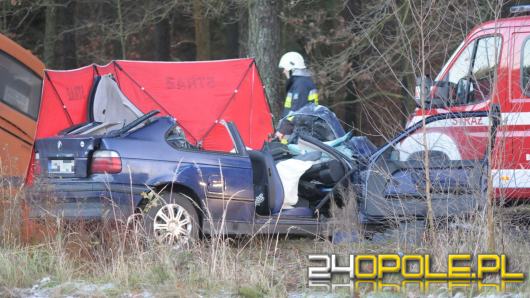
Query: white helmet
(291, 60)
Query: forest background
(365, 55)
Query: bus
(21, 76)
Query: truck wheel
(172, 220)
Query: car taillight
(106, 161)
(36, 165)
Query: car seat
(268, 187)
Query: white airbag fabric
(290, 171)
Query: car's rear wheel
(172, 220)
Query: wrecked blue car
(103, 169)
(183, 189)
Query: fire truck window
(20, 88)
(458, 71)
(484, 69)
(471, 77)
(525, 68)
(461, 67)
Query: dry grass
(109, 259)
(95, 256)
(121, 259)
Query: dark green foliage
(365, 55)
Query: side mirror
(423, 90)
(462, 90)
(435, 94)
(441, 90)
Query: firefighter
(301, 89)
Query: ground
(92, 259)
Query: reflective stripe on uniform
(313, 96)
(290, 118)
(288, 101)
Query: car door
(227, 180)
(515, 167)
(395, 181)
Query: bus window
(19, 87)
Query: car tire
(172, 220)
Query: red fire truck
(489, 71)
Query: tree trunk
(50, 33)
(202, 31)
(352, 113)
(408, 82)
(121, 29)
(69, 43)
(232, 34)
(162, 40)
(109, 31)
(264, 45)
(242, 30)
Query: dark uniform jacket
(301, 90)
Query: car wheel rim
(172, 225)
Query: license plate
(61, 166)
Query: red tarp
(197, 94)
